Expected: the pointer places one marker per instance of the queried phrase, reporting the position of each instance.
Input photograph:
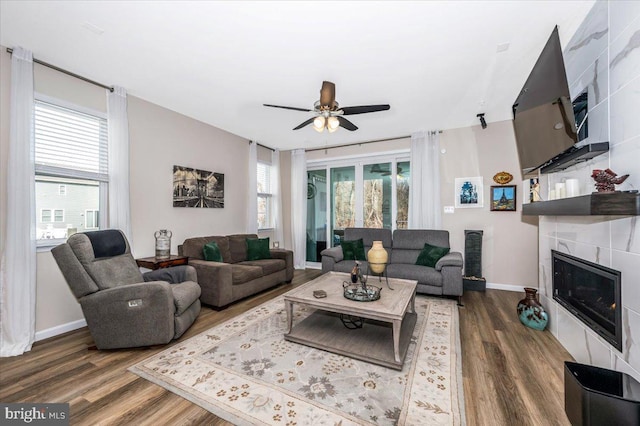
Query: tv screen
(543, 116)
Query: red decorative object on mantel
(606, 180)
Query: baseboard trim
(506, 287)
(60, 329)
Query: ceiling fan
(328, 113)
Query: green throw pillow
(258, 248)
(430, 255)
(353, 250)
(212, 252)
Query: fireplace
(591, 292)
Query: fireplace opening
(591, 292)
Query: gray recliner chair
(123, 307)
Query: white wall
(509, 243)
(599, 57)
(473, 151)
(159, 138)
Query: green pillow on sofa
(353, 250)
(258, 248)
(430, 255)
(212, 252)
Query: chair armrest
(453, 258)
(287, 256)
(172, 275)
(215, 280)
(130, 315)
(333, 252)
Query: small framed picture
(468, 192)
(503, 198)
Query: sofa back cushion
(369, 235)
(194, 247)
(408, 243)
(238, 246)
(106, 257)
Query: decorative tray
(361, 292)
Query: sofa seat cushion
(422, 274)
(241, 274)
(269, 266)
(184, 294)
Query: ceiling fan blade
(362, 109)
(287, 107)
(327, 94)
(300, 126)
(346, 123)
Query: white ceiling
(436, 63)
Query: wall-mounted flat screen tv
(543, 116)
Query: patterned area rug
(245, 372)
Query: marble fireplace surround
(604, 57)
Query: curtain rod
(264, 146)
(53, 67)
(359, 143)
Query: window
(71, 169)
(371, 191)
(264, 196)
(45, 215)
(91, 219)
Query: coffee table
(388, 322)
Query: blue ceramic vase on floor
(531, 312)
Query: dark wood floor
(512, 374)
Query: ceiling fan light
(333, 123)
(318, 124)
(331, 130)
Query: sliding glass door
(377, 195)
(316, 214)
(343, 201)
(370, 192)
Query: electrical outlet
(449, 209)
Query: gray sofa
(123, 307)
(235, 277)
(403, 249)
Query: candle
(573, 187)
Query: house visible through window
(91, 219)
(71, 169)
(264, 196)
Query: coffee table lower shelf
(372, 343)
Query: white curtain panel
(252, 201)
(18, 263)
(299, 207)
(118, 122)
(278, 231)
(424, 189)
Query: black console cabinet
(597, 396)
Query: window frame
(95, 214)
(41, 170)
(359, 161)
(267, 196)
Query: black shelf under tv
(574, 156)
(604, 203)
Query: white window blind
(71, 168)
(70, 143)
